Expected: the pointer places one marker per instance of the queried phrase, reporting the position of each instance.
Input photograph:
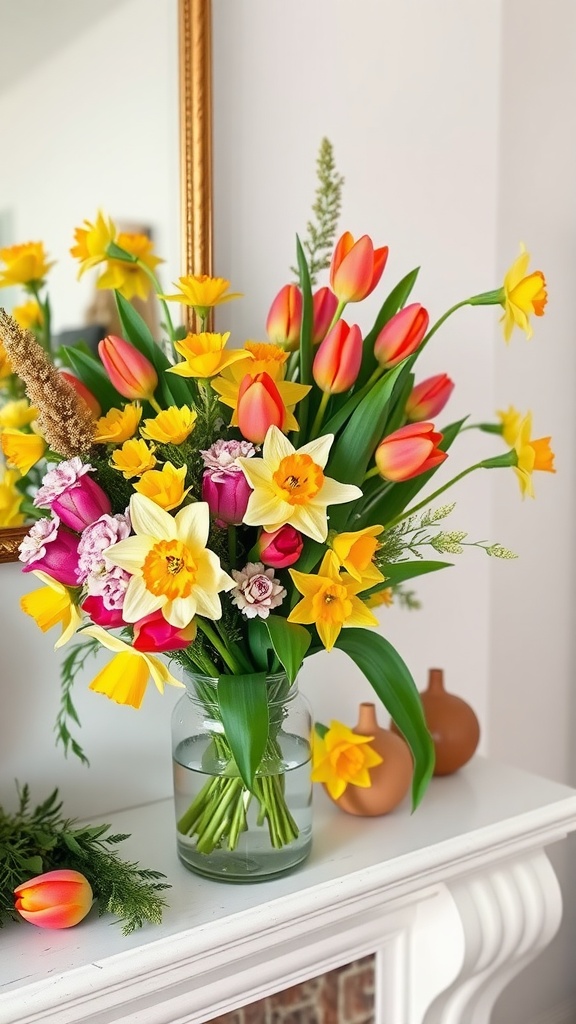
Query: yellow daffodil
(125, 678)
(171, 426)
(267, 358)
(22, 451)
(204, 356)
(52, 605)
(289, 486)
(92, 241)
(5, 364)
(10, 499)
(171, 567)
(133, 459)
(202, 292)
(524, 294)
(25, 264)
(382, 597)
(355, 552)
(165, 487)
(28, 315)
(511, 421)
(130, 278)
(118, 425)
(18, 413)
(531, 455)
(341, 757)
(329, 601)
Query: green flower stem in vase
(224, 828)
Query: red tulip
(356, 267)
(153, 634)
(109, 618)
(281, 548)
(129, 371)
(409, 451)
(227, 495)
(53, 549)
(285, 317)
(259, 406)
(337, 362)
(402, 335)
(56, 899)
(429, 397)
(81, 389)
(81, 504)
(324, 304)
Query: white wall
(532, 704)
(409, 100)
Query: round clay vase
(390, 780)
(452, 723)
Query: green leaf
(397, 498)
(174, 389)
(115, 252)
(93, 375)
(243, 702)
(391, 679)
(399, 572)
(320, 729)
(290, 641)
(259, 643)
(307, 317)
(395, 301)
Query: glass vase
(224, 830)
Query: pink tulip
(402, 335)
(409, 451)
(109, 618)
(81, 504)
(337, 362)
(81, 389)
(53, 549)
(129, 371)
(429, 397)
(285, 317)
(259, 406)
(281, 548)
(324, 307)
(153, 634)
(56, 899)
(227, 495)
(356, 267)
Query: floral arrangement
(241, 509)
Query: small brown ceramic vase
(452, 724)
(390, 780)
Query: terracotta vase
(390, 780)
(452, 724)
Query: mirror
(104, 106)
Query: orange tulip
(56, 899)
(356, 268)
(337, 362)
(429, 397)
(259, 407)
(324, 307)
(409, 451)
(129, 371)
(285, 317)
(401, 336)
(81, 389)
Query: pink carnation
(221, 457)
(43, 532)
(101, 578)
(60, 479)
(257, 591)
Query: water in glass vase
(226, 832)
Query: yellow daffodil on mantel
(240, 505)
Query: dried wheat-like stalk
(64, 419)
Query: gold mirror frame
(195, 74)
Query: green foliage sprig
(405, 540)
(326, 210)
(38, 840)
(73, 664)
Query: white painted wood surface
(454, 900)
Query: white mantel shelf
(454, 900)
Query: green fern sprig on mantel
(321, 232)
(38, 840)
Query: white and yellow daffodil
(289, 486)
(172, 569)
(125, 678)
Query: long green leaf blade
(243, 702)
(391, 679)
(290, 642)
(400, 572)
(92, 373)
